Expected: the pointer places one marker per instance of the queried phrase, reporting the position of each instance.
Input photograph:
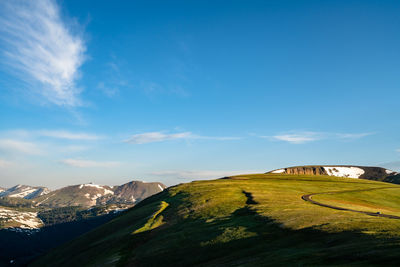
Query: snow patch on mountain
(106, 191)
(278, 171)
(159, 186)
(24, 191)
(390, 172)
(347, 172)
(96, 196)
(20, 219)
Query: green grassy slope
(385, 201)
(249, 220)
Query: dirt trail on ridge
(308, 198)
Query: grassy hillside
(248, 220)
(22, 246)
(386, 200)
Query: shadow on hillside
(267, 243)
(243, 238)
(22, 247)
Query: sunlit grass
(381, 200)
(155, 220)
(249, 219)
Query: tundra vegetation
(247, 220)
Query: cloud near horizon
(57, 134)
(5, 163)
(305, 137)
(297, 138)
(201, 174)
(33, 143)
(41, 47)
(81, 163)
(11, 146)
(61, 134)
(152, 137)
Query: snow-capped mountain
(81, 196)
(24, 191)
(357, 172)
(84, 194)
(91, 194)
(132, 192)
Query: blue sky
(174, 91)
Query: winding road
(308, 198)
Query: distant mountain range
(346, 171)
(91, 194)
(24, 191)
(22, 206)
(84, 194)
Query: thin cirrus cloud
(201, 174)
(152, 137)
(5, 163)
(56, 134)
(82, 163)
(353, 135)
(306, 137)
(40, 46)
(297, 138)
(31, 142)
(60, 134)
(11, 146)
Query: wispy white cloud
(5, 163)
(115, 78)
(305, 137)
(81, 163)
(41, 46)
(57, 134)
(151, 137)
(109, 91)
(61, 134)
(201, 174)
(353, 135)
(152, 89)
(73, 149)
(297, 138)
(11, 146)
(398, 150)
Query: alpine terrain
(35, 219)
(358, 172)
(312, 215)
